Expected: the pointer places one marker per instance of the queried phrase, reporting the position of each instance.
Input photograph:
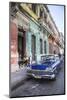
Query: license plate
(37, 76)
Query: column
(13, 45)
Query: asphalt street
(36, 87)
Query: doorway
(21, 44)
(33, 47)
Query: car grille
(37, 72)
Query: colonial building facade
(33, 32)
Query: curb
(18, 83)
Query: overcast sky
(57, 13)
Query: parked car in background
(46, 66)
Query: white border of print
(4, 49)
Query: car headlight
(28, 68)
(49, 69)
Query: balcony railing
(29, 11)
(43, 22)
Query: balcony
(59, 42)
(29, 11)
(44, 23)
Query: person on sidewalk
(59, 55)
(26, 59)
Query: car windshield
(47, 57)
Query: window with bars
(34, 8)
(33, 47)
(45, 47)
(41, 46)
(41, 13)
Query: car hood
(40, 66)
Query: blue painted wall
(34, 30)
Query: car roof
(48, 55)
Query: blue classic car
(46, 66)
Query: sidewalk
(18, 77)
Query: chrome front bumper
(41, 74)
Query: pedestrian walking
(59, 55)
